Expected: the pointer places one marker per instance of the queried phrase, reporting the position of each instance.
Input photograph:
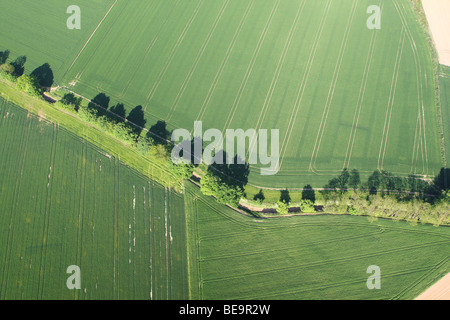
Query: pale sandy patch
(439, 291)
(438, 16)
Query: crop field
(340, 94)
(444, 83)
(309, 257)
(38, 31)
(64, 202)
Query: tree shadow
(71, 99)
(119, 110)
(259, 196)
(239, 170)
(343, 179)
(355, 179)
(159, 133)
(44, 75)
(308, 193)
(442, 180)
(4, 55)
(234, 173)
(101, 100)
(136, 116)
(18, 65)
(285, 196)
(100, 103)
(374, 182)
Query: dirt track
(438, 13)
(439, 291)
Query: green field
(444, 84)
(340, 94)
(65, 202)
(232, 256)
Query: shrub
(307, 206)
(7, 76)
(8, 68)
(282, 208)
(88, 114)
(29, 85)
(182, 170)
(124, 132)
(226, 194)
(143, 145)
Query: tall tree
(355, 179)
(29, 85)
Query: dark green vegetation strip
(150, 167)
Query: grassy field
(151, 167)
(65, 202)
(444, 84)
(340, 94)
(39, 32)
(232, 256)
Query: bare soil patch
(438, 13)
(439, 291)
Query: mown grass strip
(151, 168)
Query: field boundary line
(418, 139)
(82, 205)
(250, 67)
(420, 279)
(333, 261)
(224, 62)
(97, 45)
(48, 204)
(333, 85)
(172, 53)
(277, 73)
(116, 251)
(332, 285)
(165, 243)
(150, 233)
(284, 249)
(303, 83)
(24, 145)
(197, 60)
(362, 91)
(390, 105)
(420, 94)
(98, 26)
(352, 138)
(419, 77)
(122, 50)
(147, 52)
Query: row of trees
(97, 112)
(33, 84)
(342, 194)
(226, 182)
(381, 195)
(147, 143)
(400, 207)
